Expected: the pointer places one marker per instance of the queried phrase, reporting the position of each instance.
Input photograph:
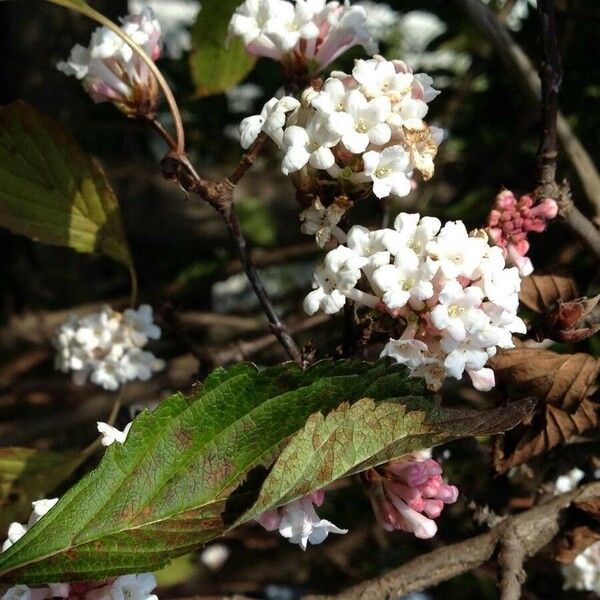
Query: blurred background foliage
(183, 254)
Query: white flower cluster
(366, 128)
(107, 347)
(584, 572)
(306, 36)
(451, 289)
(111, 71)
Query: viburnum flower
(450, 291)
(16, 530)
(323, 222)
(409, 493)
(334, 281)
(111, 434)
(111, 71)
(299, 522)
(362, 131)
(271, 120)
(107, 347)
(305, 36)
(512, 220)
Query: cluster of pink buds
(512, 220)
(407, 494)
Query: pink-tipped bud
(510, 221)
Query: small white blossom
(215, 556)
(299, 522)
(107, 347)
(333, 280)
(389, 171)
(111, 434)
(271, 120)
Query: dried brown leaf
(561, 380)
(541, 291)
(544, 431)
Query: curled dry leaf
(541, 291)
(542, 432)
(564, 382)
(561, 380)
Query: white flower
(483, 379)
(457, 253)
(415, 232)
(382, 20)
(378, 77)
(372, 245)
(308, 145)
(322, 222)
(333, 280)
(584, 572)
(409, 352)
(141, 325)
(111, 434)
(271, 120)
(16, 530)
(406, 280)
(458, 311)
(362, 122)
(298, 521)
(389, 171)
(569, 481)
(112, 72)
(134, 587)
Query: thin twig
(219, 195)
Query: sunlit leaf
(53, 192)
(217, 64)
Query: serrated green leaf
(27, 475)
(53, 192)
(190, 469)
(215, 64)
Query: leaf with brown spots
(561, 380)
(541, 291)
(188, 470)
(543, 431)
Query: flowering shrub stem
(219, 195)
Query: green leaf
(190, 469)
(215, 64)
(27, 475)
(53, 192)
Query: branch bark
(533, 529)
